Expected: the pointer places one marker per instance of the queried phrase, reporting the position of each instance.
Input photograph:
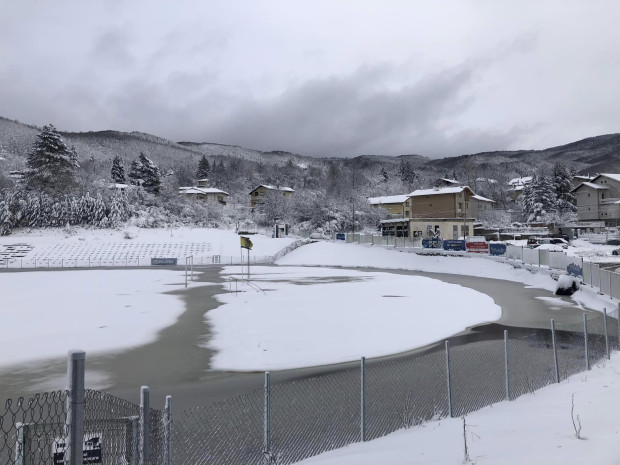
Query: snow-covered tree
(51, 164)
(118, 170)
(539, 199)
(145, 173)
(203, 168)
(407, 174)
(565, 199)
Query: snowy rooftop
(482, 199)
(449, 181)
(275, 188)
(438, 190)
(520, 181)
(615, 177)
(201, 190)
(592, 185)
(387, 199)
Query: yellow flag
(246, 243)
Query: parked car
(615, 252)
(534, 242)
(613, 242)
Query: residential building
(446, 182)
(263, 189)
(599, 199)
(447, 212)
(207, 194)
(396, 205)
(578, 179)
(517, 185)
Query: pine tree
(145, 173)
(151, 175)
(5, 218)
(539, 198)
(204, 169)
(118, 170)
(384, 176)
(135, 173)
(563, 184)
(51, 165)
(406, 173)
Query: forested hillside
(330, 193)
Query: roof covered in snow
(591, 185)
(387, 199)
(614, 176)
(201, 190)
(275, 188)
(482, 199)
(520, 181)
(439, 190)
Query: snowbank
(316, 316)
(355, 255)
(44, 314)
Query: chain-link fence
(293, 420)
(34, 430)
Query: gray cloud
(357, 114)
(317, 77)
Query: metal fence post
(585, 340)
(75, 407)
(507, 377)
(144, 451)
(266, 421)
(22, 449)
(555, 352)
(168, 430)
(363, 399)
(448, 379)
(606, 334)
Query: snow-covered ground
(354, 255)
(128, 246)
(535, 428)
(315, 316)
(47, 313)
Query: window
(602, 195)
(406, 212)
(460, 206)
(455, 232)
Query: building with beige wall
(396, 205)
(447, 212)
(599, 199)
(263, 189)
(207, 194)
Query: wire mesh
(226, 433)
(531, 364)
(34, 430)
(477, 375)
(111, 424)
(404, 393)
(314, 415)
(570, 343)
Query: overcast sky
(332, 78)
